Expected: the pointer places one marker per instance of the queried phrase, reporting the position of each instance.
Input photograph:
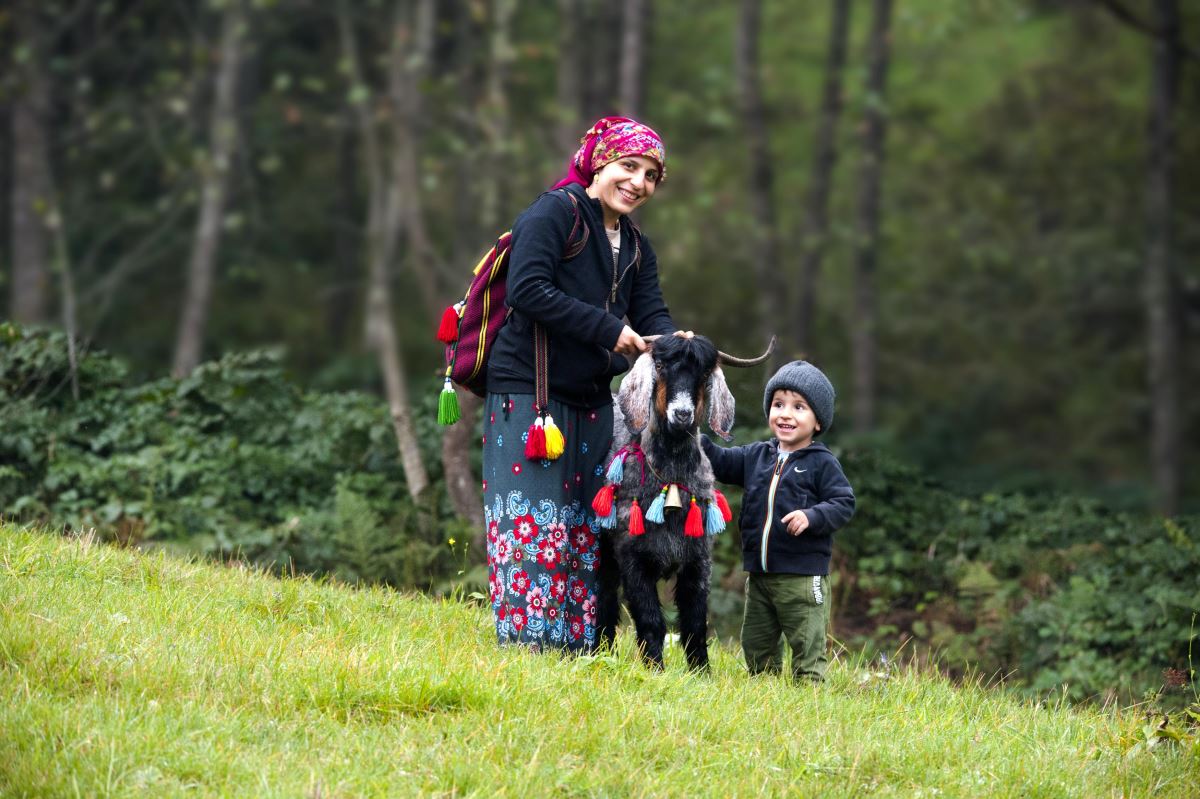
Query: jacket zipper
(766, 533)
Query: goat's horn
(729, 360)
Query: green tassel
(448, 412)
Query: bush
(1057, 592)
(231, 460)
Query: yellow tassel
(555, 443)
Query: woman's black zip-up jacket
(575, 302)
(809, 479)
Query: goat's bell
(673, 500)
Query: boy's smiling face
(792, 420)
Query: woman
(543, 540)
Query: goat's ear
(634, 395)
(720, 405)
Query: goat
(656, 464)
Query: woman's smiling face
(624, 185)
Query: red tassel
(448, 329)
(637, 524)
(603, 501)
(535, 441)
(694, 526)
(723, 506)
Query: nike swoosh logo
(798, 470)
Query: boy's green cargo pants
(786, 606)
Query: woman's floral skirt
(543, 542)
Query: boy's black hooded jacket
(574, 300)
(810, 479)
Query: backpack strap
(541, 369)
(573, 249)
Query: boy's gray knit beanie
(804, 378)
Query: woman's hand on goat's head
(629, 343)
(685, 334)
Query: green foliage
(1058, 592)
(232, 460)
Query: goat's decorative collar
(712, 521)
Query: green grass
(127, 674)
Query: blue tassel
(610, 521)
(655, 513)
(616, 469)
(714, 522)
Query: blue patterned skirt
(543, 543)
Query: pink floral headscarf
(609, 139)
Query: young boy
(796, 497)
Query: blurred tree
(214, 187)
(569, 76)
(1163, 294)
(31, 138)
(632, 69)
(387, 174)
(495, 114)
(772, 301)
(600, 46)
(865, 320)
(815, 228)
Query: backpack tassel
(448, 411)
(655, 513)
(723, 504)
(447, 332)
(535, 441)
(602, 503)
(636, 524)
(555, 443)
(714, 520)
(693, 526)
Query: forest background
(230, 229)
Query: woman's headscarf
(609, 139)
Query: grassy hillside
(124, 674)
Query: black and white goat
(660, 508)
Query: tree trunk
(601, 46)
(408, 67)
(470, 78)
(495, 113)
(340, 296)
(384, 202)
(863, 338)
(214, 183)
(462, 484)
(570, 77)
(632, 63)
(66, 280)
(1162, 282)
(765, 252)
(30, 299)
(816, 215)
